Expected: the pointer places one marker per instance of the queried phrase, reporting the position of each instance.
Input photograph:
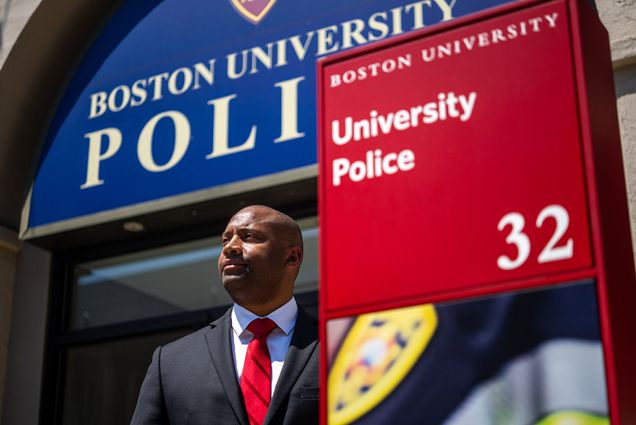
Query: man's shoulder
(307, 315)
(307, 323)
(193, 341)
(187, 340)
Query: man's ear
(294, 257)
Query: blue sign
(179, 101)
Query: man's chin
(234, 282)
(239, 289)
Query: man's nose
(233, 246)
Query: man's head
(261, 257)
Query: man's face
(254, 258)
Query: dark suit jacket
(193, 380)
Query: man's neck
(263, 310)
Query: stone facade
(619, 17)
(14, 15)
(9, 247)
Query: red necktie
(256, 380)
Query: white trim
(26, 210)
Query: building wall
(625, 80)
(9, 247)
(25, 352)
(14, 15)
(619, 17)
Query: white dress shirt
(277, 341)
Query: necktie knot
(261, 327)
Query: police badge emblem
(253, 10)
(376, 354)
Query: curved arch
(31, 80)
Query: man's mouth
(234, 267)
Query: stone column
(9, 247)
(619, 17)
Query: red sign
(473, 166)
(453, 161)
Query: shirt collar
(284, 317)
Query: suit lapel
(220, 348)
(301, 347)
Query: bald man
(256, 365)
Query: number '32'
(516, 237)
